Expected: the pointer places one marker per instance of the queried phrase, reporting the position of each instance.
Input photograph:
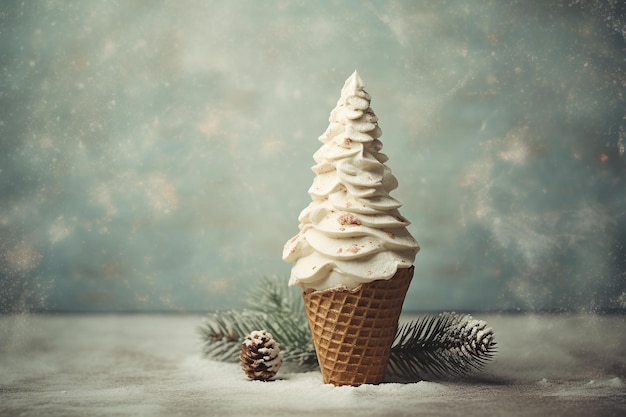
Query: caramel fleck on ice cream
(348, 218)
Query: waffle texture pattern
(353, 330)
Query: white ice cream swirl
(351, 232)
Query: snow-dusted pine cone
(260, 356)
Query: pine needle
(273, 295)
(222, 333)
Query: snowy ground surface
(150, 365)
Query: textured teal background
(155, 155)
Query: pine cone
(260, 356)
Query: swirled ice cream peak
(352, 231)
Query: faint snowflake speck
(21, 258)
(162, 195)
(101, 196)
(59, 230)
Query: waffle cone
(353, 330)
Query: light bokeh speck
(155, 155)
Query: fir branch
(272, 307)
(440, 347)
(222, 335)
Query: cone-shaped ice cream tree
(353, 255)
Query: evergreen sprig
(272, 307)
(443, 346)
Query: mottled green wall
(154, 155)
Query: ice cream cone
(352, 238)
(353, 330)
